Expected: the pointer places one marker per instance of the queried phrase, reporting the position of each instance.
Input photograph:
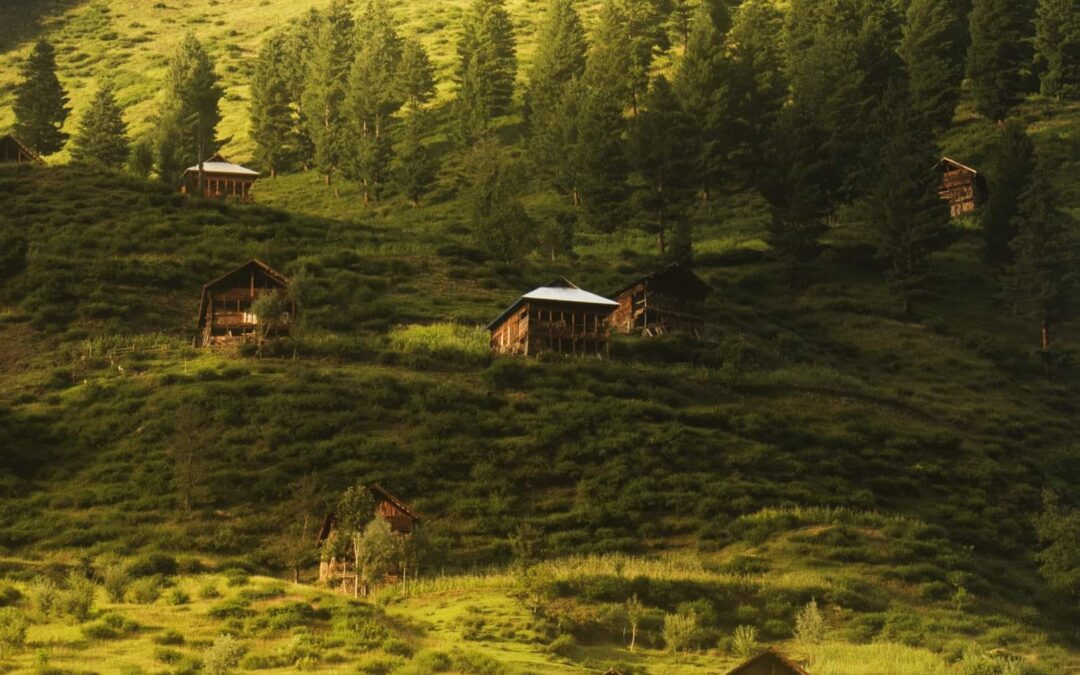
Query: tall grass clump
(467, 345)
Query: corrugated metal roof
(224, 167)
(559, 290)
(568, 295)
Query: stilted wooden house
(402, 520)
(12, 150)
(671, 299)
(558, 317)
(769, 662)
(963, 187)
(221, 179)
(225, 316)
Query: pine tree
(645, 26)
(756, 83)
(102, 137)
(171, 159)
(795, 181)
(556, 134)
(271, 109)
(191, 103)
(41, 102)
(1011, 168)
(559, 58)
(324, 92)
(841, 60)
(415, 78)
(610, 67)
(998, 55)
(557, 234)
(932, 51)
(413, 166)
(495, 183)
(1057, 47)
(373, 94)
(141, 161)
(369, 163)
(700, 87)
(299, 43)
(909, 219)
(1042, 282)
(662, 150)
(598, 158)
(487, 66)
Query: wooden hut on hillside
(225, 316)
(402, 520)
(962, 186)
(557, 317)
(221, 179)
(769, 662)
(12, 150)
(671, 299)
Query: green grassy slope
(872, 461)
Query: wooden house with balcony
(558, 317)
(402, 520)
(225, 310)
(769, 662)
(962, 186)
(669, 300)
(221, 179)
(14, 151)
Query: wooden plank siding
(225, 316)
(539, 326)
(963, 187)
(670, 300)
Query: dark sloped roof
(786, 665)
(330, 521)
(8, 138)
(676, 274)
(559, 289)
(270, 272)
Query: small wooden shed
(225, 316)
(221, 179)
(962, 186)
(557, 317)
(12, 150)
(769, 662)
(671, 299)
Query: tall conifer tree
(756, 84)
(559, 58)
(487, 66)
(41, 102)
(700, 87)
(271, 110)
(1057, 47)
(1043, 280)
(909, 219)
(932, 49)
(324, 92)
(662, 148)
(415, 78)
(102, 137)
(610, 65)
(598, 157)
(192, 102)
(998, 55)
(1011, 168)
(413, 166)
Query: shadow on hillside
(20, 20)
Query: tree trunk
(326, 179)
(296, 574)
(575, 197)
(1045, 334)
(273, 172)
(633, 637)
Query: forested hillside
(869, 459)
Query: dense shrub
(145, 590)
(153, 564)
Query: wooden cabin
(221, 179)
(12, 150)
(558, 317)
(769, 662)
(225, 316)
(402, 519)
(963, 187)
(671, 299)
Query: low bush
(110, 627)
(169, 638)
(145, 590)
(176, 597)
(153, 564)
(397, 647)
